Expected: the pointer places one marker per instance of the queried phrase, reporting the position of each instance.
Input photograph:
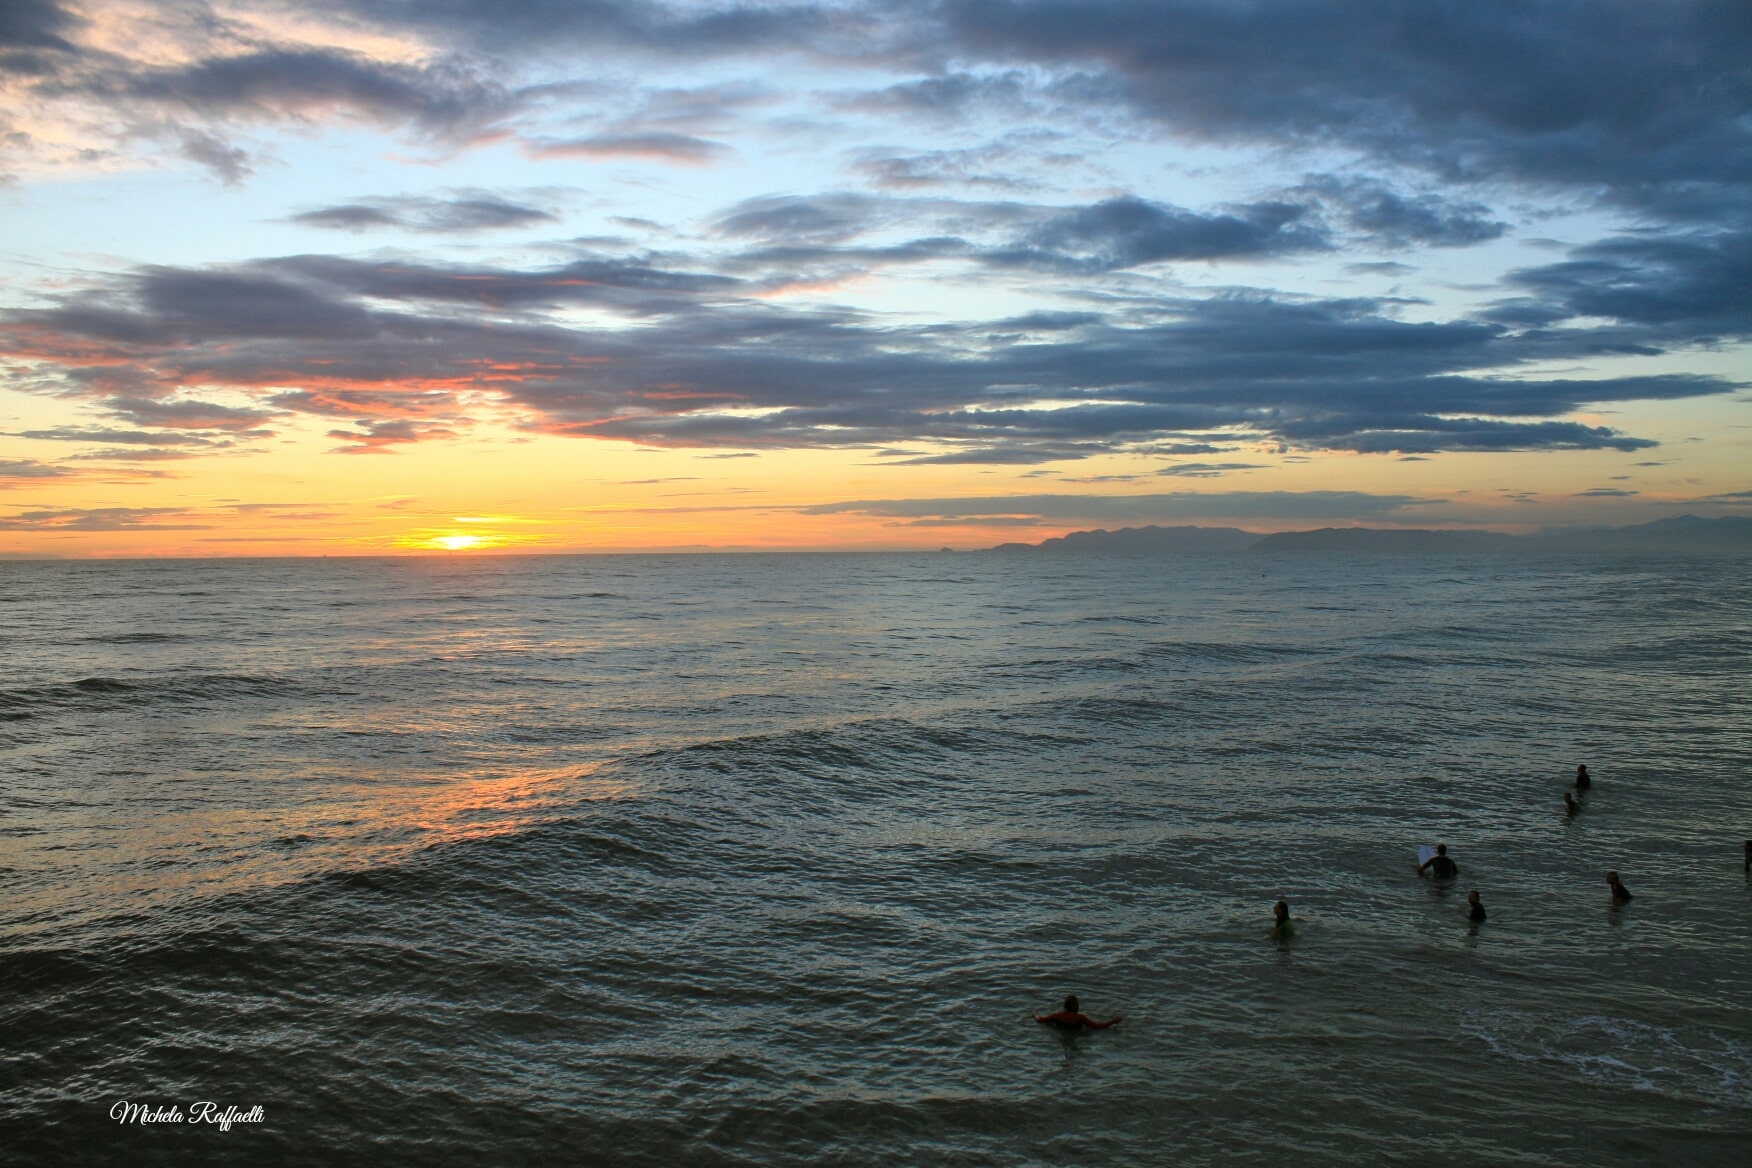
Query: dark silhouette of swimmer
(1281, 926)
(1072, 1017)
(1583, 779)
(1747, 866)
(1570, 806)
(1476, 912)
(1440, 866)
(1620, 893)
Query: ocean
(771, 859)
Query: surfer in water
(1475, 911)
(1570, 806)
(1583, 779)
(1072, 1018)
(1747, 865)
(1440, 866)
(1281, 927)
(1620, 893)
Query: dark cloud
(936, 168)
(383, 437)
(687, 31)
(1684, 287)
(1127, 232)
(148, 455)
(1372, 208)
(1015, 455)
(463, 213)
(1605, 493)
(29, 469)
(656, 146)
(186, 414)
(229, 164)
(395, 347)
(1637, 100)
(100, 519)
(949, 97)
(816, 231)
(817, 219)
(295, 82)
(1169, 506)
(118, 437)
(1045, 322)
(36, 24)
(1207, 470)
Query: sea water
(771, 860)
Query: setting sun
(457, 543)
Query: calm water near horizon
(769, 859)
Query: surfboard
(1425, 854)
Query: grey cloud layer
(1643, 108)
(1644, 102)
(1137, 508)
(463, 213)
(701, 363)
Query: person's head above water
(1441, 849)
(1071, 1004)
(1581, 771)
(1472, 897)
(1281, 910)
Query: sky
(342, 277)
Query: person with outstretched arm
(1072, 1017)
(1440, 866)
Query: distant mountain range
(1686, 534)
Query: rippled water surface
(769, 859)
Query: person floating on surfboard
(1440, 866)
(1072, 1017)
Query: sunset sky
(366, 276)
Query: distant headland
(1681, 534)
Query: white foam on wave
(1621, 1053)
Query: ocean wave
(1619, 1052)
(90, 692)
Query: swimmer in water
(1570, 806)
(1281, 926)
(1583, 779)
(1747, 866)
(1440, 866)
(1476, 912)
(1072, 1018)
(1620, 893)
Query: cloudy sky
(348, 276)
